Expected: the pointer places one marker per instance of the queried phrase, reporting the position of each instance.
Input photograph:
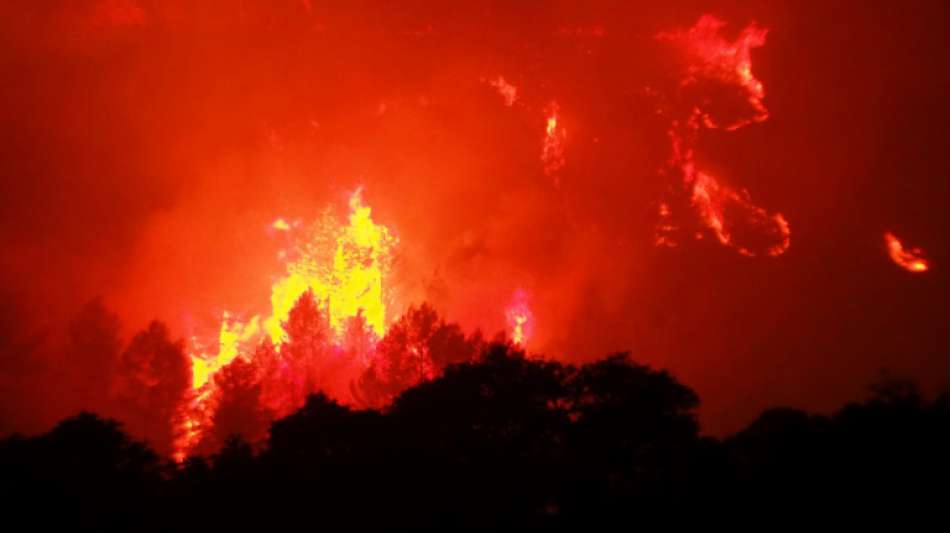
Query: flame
(714, 58)
(910, 260)
(552, 148)
(232, 334)
(519, 317)
(712, 199)
(719, 207)
(345, 267)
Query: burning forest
(280, 240)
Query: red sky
(147, 145)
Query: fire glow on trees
(911, 259)
(343, 267)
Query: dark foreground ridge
(501, 442)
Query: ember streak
(909, 259)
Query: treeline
(147, 380)
(502, 441)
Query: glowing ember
(519, 317)
(552, 149)
(665, 228)
(507, 91)
(911, 260)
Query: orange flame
(720, 208)
(345, 268)
(519, 317)
(910, 260)
(552, 148)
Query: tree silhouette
(496, 441)
(274, 373)
(307, 350)
(154, 381)
(87, 474)
(359, 340)
(307, 329)
(238, 409)
(416, 348)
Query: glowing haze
(705, 186)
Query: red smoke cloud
(150, 147)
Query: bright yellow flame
(345, 273)
(552, 149)
(518, 335)
(232, 334)
(344, 266)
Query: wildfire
(519, 317)
(911, 260)
(232, 334)
(343, 266)
(719, 207)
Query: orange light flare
(911, 260)
(552, 147)
(520, 318)
(345, 266)
(280, 225)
